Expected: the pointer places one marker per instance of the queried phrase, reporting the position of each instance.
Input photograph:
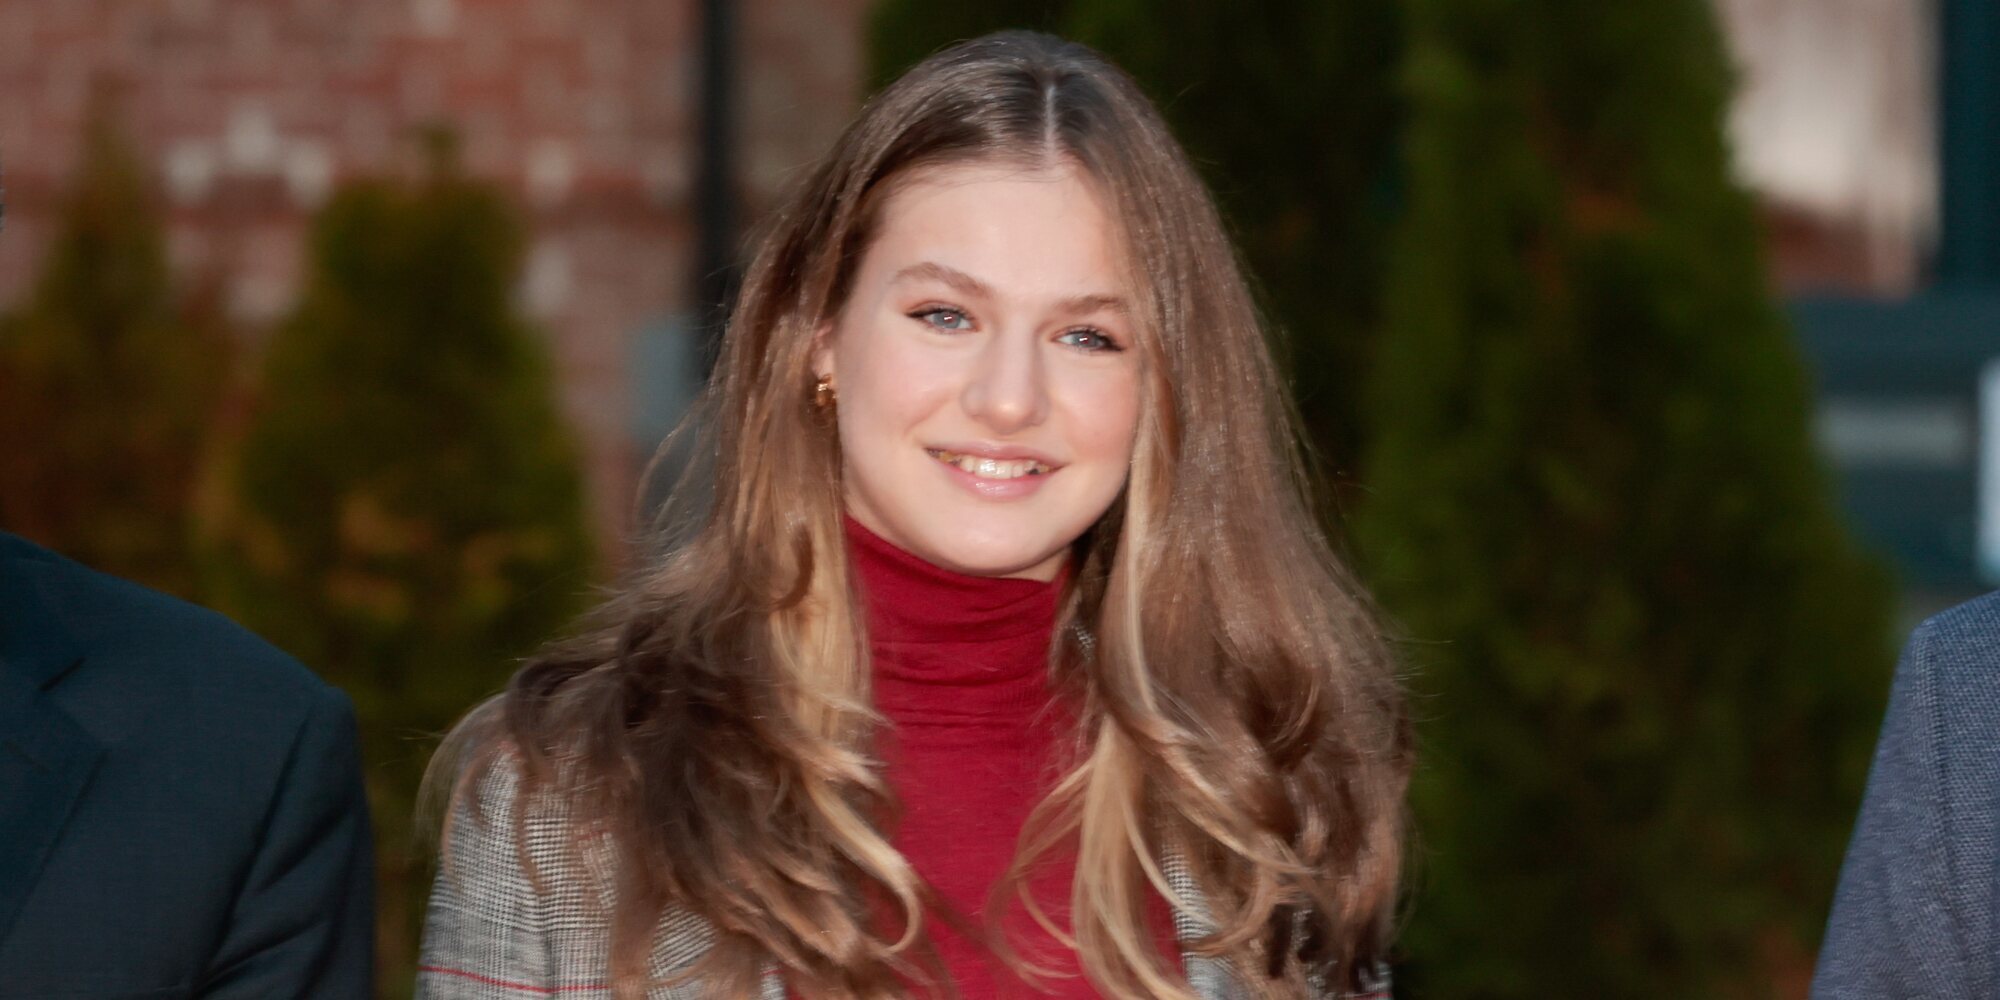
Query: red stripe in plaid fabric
(524, 987)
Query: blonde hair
(1239, 712)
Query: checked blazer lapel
(46, 759)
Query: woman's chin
(998, 557)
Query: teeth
(991, 468)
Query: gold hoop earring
(823, 394)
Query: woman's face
(986, 369)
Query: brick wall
(250, 111)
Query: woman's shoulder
(513, 850)
(525, 890)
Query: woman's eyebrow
(1092, 303)
(966, 284)
(933, 271)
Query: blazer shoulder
(1960, 642)
(524, 895)
(150, 636)
(512, 901)
(1955, 653)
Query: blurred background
(1645, 349)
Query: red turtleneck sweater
(961, 675)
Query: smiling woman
(990, 404)
(1006, 658)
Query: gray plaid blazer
(491, 935)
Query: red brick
(612, 81)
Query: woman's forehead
(999, 228)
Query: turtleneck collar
(913, 602)
(953, 655)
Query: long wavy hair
(1240, 716)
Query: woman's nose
(1006, 389)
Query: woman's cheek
(1106, 412)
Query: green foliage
(1650, 656)
(108, 381)
(410, 516)
(902, 33)
(1289, 108)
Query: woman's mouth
(990, 468)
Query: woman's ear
(822, 350)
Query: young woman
(1004, 657)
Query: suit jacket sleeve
(1912, 915)
(303, 924)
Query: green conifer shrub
(1650, 657)
(109, 379)
(408, 503)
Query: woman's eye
(1089, 339)
(944, 318)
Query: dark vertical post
(1969, 97)
(716, 262)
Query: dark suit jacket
(1914, 914)
(181, 808)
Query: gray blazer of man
(1914, 914)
